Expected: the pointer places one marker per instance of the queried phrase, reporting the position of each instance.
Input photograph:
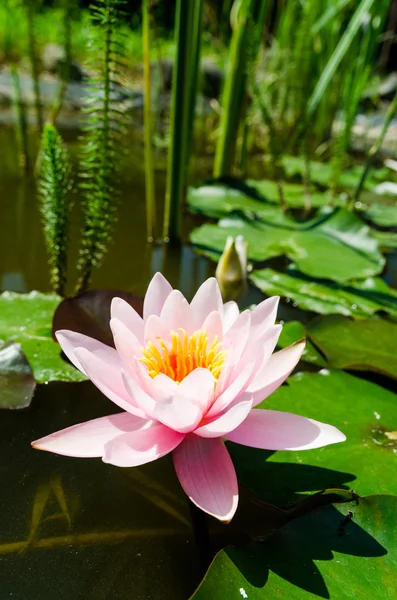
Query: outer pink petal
(108, 380)
(139, 396)
(230, 314)
(141, 446)
(264, 315)
(206, 473)
(273, 430)
(121, 310)
(198, 386)
(87, 440)
(207, 299)
(234, 342)
(275, 372)
(228, 421)
(70, 340)
(176, 313)
(156, 294)
(262, 348)
(178, 413)
(127, 344)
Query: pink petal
(228, 421)
(70, 340)
(178, 413)
(87, 440)
(234, 343)
(176, 313)
(263, 347)
(275, 372)
(234, 390)
(121, 310)
(156, 294)
(108, 380)
(206, 473)
(273, 430)
(264, 315)
(155, 328)
(198, 386)
(127, 344)
(230, 314)
(138, 395)
(208, 298)
(141, 446)
(164, 387)
(213, 326)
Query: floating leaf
(338, 552)
(17, 383)
(336, 245)
(292, 332)
(359, 300)
(89, 313)
(364, 411)
(26, 319)
(368, 345)
(383, 215)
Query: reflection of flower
(186, 377)
(231, 271)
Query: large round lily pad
(336, 245)
(369, 345)
(359, 300)
(366, 461)
(339, 552)
(27, 319)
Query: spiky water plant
(102, 144)
(54, 186)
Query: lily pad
(383, 215)
(26, 319)
(368, 345)
(363, 411)
(358, 300)
(17, 383)
(294, 331)
(336, 245)
(339, 552)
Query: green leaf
(292, 332)
(368, 345)
(338, 552)
(359, 300)
(383, 215)
(26, 319)
(363, 411)
(336, 245)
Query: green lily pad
(359, 300)
(321, 173)
(365, 412)
(27, 319)
(386, 239)
(368, 345)
(336, 245)
(383, 215)
(339, 552)
(294, 331)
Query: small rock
(53, 59)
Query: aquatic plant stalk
(32, 50)
(54, 186)
(102, 144)
(181, 115)
(68, 7)
(148, 126)
(20, 120)
(391, 111)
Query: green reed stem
(20, 121)
(148, 126)
(30, 15)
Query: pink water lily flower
(187, 376)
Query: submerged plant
(187, 376)
(54, 185)
(102, 143)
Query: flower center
(184, 354)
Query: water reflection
(82, 529)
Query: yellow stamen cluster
(183, 355)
